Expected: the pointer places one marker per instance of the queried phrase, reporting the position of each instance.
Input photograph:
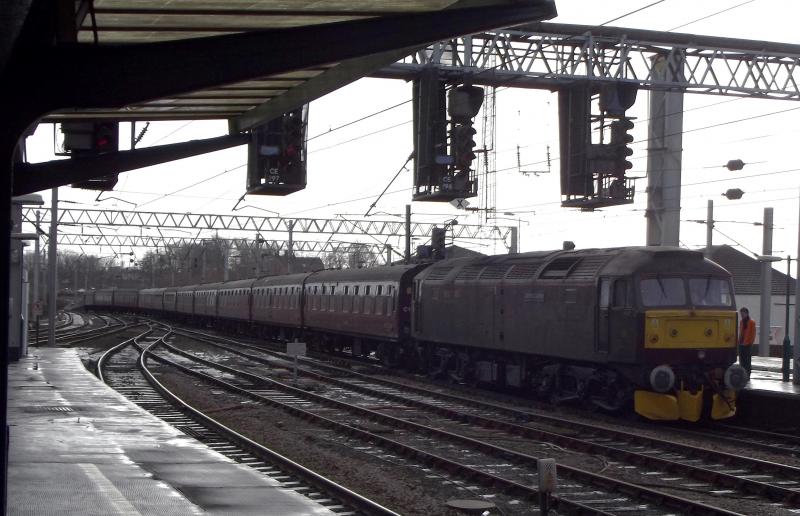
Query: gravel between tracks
(636, 475)
(408, 491)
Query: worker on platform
(747, 335)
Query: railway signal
(276, 163)
(620, 138)
(462, 145)
(83, 139)
(444, 138)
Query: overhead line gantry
(167, 220)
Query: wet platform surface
(767, 377)
(768, 402)
(78, 447)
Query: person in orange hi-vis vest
(747, 335)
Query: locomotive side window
(710, 292)
(663, 292)
(605, 293)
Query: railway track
(66, 329)
(440, 441)
(713, 470)
(125, 368)
(108, 325)
(780, 443)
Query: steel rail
(320, 482)
(774, 492)
(101, 362)
(640, 492)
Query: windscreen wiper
(661, 284)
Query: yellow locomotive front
(688, 347)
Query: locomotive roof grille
(588, 267)
(524, 270)
(560, 268)
(439, 273)
(469, 272)
(495, 271)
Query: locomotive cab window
(660, 291)
(710, 291)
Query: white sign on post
(296, 349)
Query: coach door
(603, 317)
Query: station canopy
(250, 102)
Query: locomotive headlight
(736, 377)
(701, 354)
(662, 378)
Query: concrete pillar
(52, 269)
(26, 292)
(766, 287)
(514, 248)
(37, 264)
(664, 151)
(15, 286)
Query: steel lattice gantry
(278, 246)
(551, 55)
(166, 220)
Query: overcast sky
(348, 168)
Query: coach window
(380, 290)
(366, 290)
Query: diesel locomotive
(651, 327)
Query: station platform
(78, 447)
(767, 401)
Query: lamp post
(766, 261)
(766, 284)
(787, 342)
(786, 347)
